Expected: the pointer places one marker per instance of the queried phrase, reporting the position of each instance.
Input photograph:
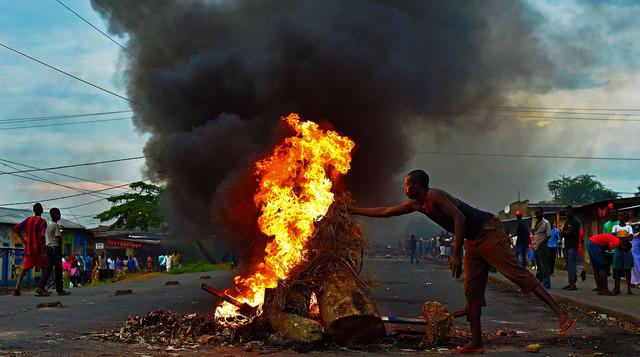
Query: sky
(606, 32)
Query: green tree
(579, 189)
(135, 210)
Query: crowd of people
(42, 243)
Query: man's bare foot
(471, 348)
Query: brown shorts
(491, 248)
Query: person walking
(35, 228)
(413, 247)
(168, 261)
(541, 235)
(523, 232)
(53, 240)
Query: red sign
(118, 243)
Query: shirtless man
(486, 244)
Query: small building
(11, 256)
(121, 243)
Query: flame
(294, 190)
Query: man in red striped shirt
(35, 228)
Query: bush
(199, 267)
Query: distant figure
(119, 265)
(635, 252)
(161, 262)
(413, 248)
(35, 228)
(149, 263)
(596, 246)
(553, 248)
(622, 256)
(522, 240)
(541, 235)
(571, 234)
(54, 256)
(102, 267)
(607, 228)
(111, 266)
(168, 262)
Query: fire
(294, 190)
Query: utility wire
(95, 28)
(57, 173)
(552, 112)
(64, 116)
(58, 198)
(528, 156)
(69, 74)
(77, 165)
(62, 124)
(565, 108)
(570, 118)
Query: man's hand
(455, 266)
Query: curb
(621, 315)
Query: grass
(199, 267)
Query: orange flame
(294, 190)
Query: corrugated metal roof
(15, 216)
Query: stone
(439, 323)
(171, 282)
(534, 348)
(49, 304)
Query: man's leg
(47, 270)
(58, 269)
(552, 260)
(627, 275)
(476, 273)
(16, 291)
(496, 252)
(616, 281)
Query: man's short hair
(539, 209)
(37, 209)
(420, 177)
(54, 211)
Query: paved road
(402, 290)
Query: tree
(135, 210)
(579, 189)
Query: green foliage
(135, 210)
(579, 189)
(199, 267)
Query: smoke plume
(214, 77)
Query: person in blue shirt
(553, 247)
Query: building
(120, 243)
(73, 241)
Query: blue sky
(47, 31)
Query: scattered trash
(534, 348)
(602, 316)
(49, 304)
(123, 292)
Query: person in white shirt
(168, 261)
(622, 256)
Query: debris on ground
(171, 282)
(123, 292)
(534, 348)
(49, 304)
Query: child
(35, 228)
(622, 257)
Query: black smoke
(213, 78)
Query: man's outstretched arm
(398, 210)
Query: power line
(571, 118)
(565, 108)
(528, 156)
(77, 165)
(57, 173)
(69, 74)
(63, 116)
(62, 124)
(59, 198)
(95, 28)
(560, 112)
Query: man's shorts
(31, 261)
(492, 248)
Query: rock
(439, 323)
(205, 277)
(296, 328)
(171, 282)
(534, 348)
(49, 304)
(598, 354)
(123, 292)
(248, 347)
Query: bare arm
(397, 210)
(449, 208)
